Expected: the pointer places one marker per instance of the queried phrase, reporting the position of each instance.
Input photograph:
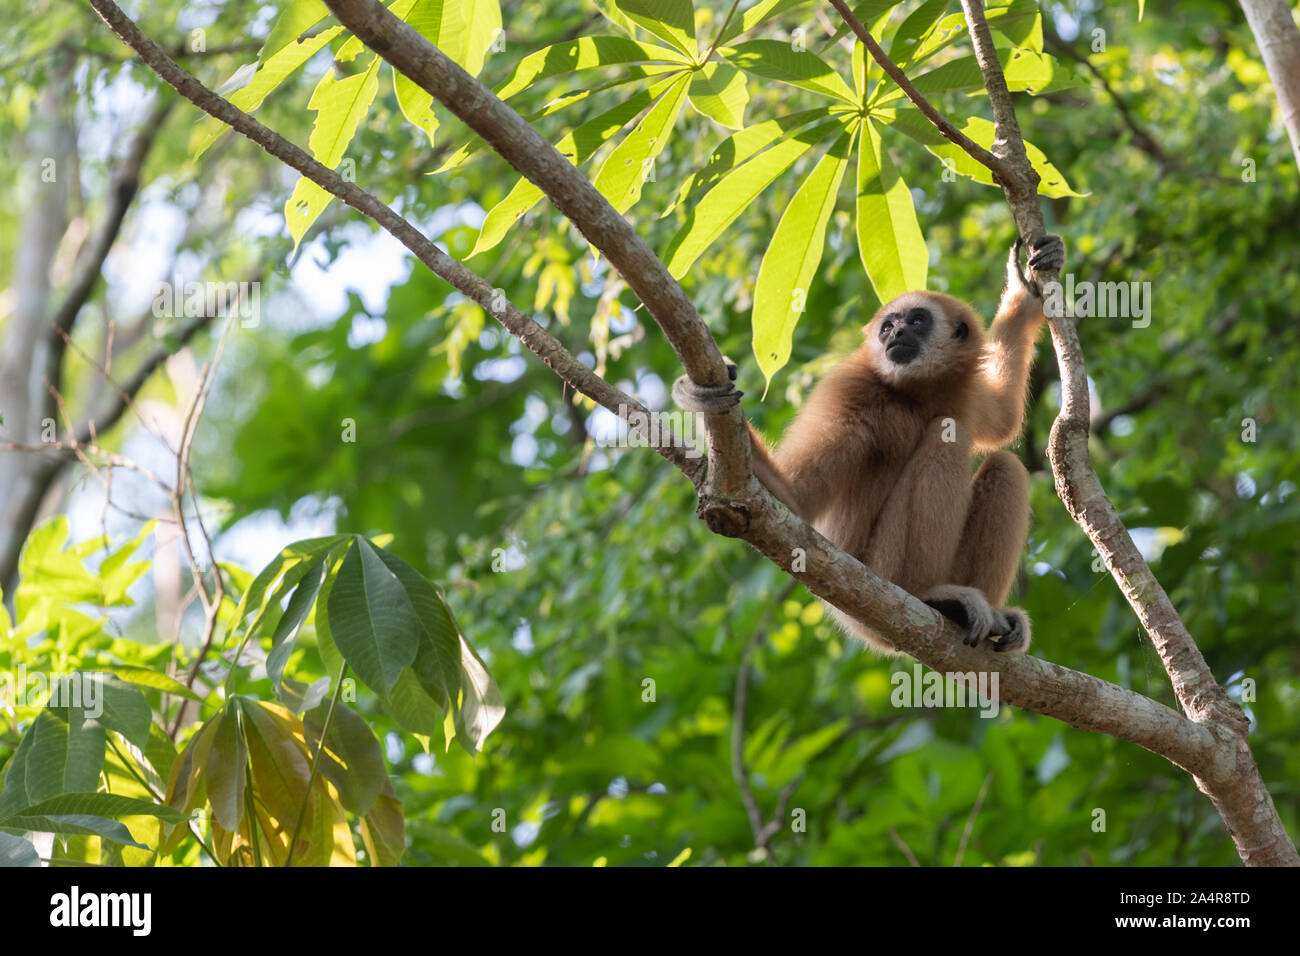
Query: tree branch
(122, 192)
(474, 287)
(573, 195)
(976, 151)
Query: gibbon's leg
(916, 534)
(989, 555)
(996, 528)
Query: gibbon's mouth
(900, 353)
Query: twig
(907, 850)
(970, 821)
(976, 151)
(523, 327)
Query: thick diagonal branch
(573, 195)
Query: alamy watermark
(83, 690)
(952, 689)
(646, 429)
(1103, 300)
(194, 300)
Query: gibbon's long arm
(767, 471)
(821, 453)
(998, 407)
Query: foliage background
(579, 572)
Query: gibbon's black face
(921, 337)
(903, 333)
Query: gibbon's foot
(1048, 255)
(1005, 628)
(968, 609)
(1014, 636)
(704, 398)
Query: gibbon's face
(918, 336)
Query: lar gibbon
(879, 458)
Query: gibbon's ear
(962, 331)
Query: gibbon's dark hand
(704, 398)
(1047, 256)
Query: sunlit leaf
(792, 257)
(890, 242)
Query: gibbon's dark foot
(1048, 255)
(704, 398)
(1012, 632)
(968, 609)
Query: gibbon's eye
(917, 317)
(886, 327)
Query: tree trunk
(25, 478)
(1279, 42)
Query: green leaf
(226, 770)
(718, 91)
(1020, 21)
(759, 13)
(274, 71)
(774, 60)
(672, 21)
(907, 39)
(911, 121)
(574, 56)
(449, 847)
(116, 575)
(416, 105)
(792, 257)
(795, 758)
(73, 824)
(371, 619)
(737, 148)
(300, 605)
(383, 829)
(122, 707)
(154, 680)
(447, 668)
(15, 851)
(981, 132)
(631, 164)
(352, 760)
(99, 804)
(279, 767)
(1023, 69)
(889, 237)
(260, 604)
(867, 12)
(711, 215)
(943, 34)
(340, 105)
(297, 17)
(576, 147)
(53, 758)
(462, 29)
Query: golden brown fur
(879, 459)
